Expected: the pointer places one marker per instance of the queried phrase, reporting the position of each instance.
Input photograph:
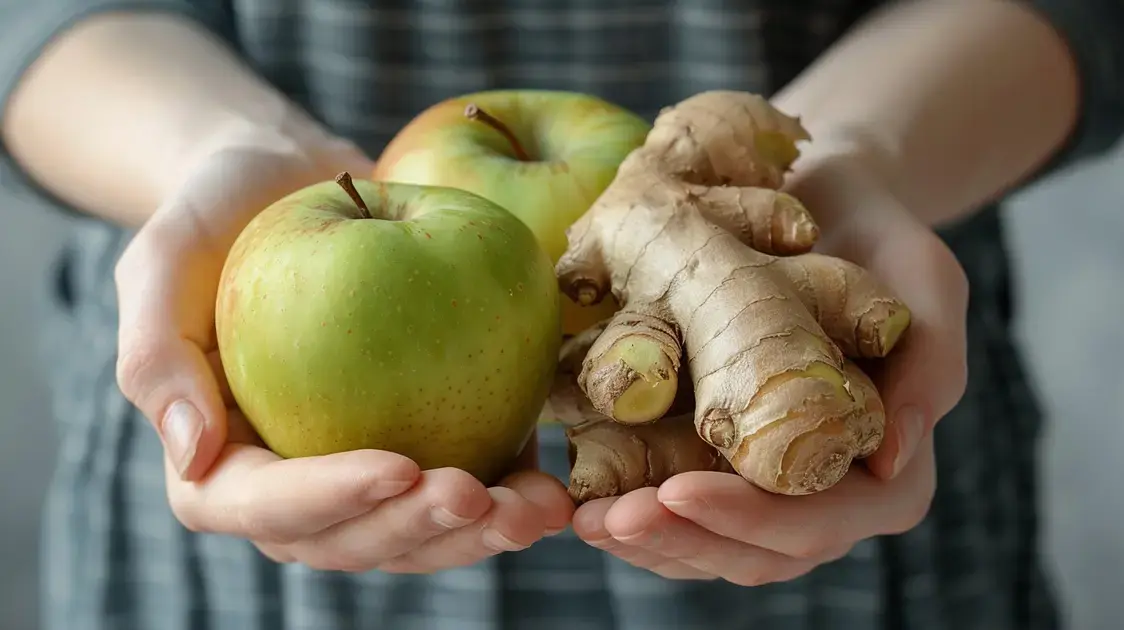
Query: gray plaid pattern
(117, 559)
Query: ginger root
(610, 459)
(713, 267)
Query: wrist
(218, 183)
(291, 143)
(285, 135)
(856, 156)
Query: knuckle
(352, 490)
(337, 562)
(400, 565)
(840, 553)
(254, 526)
(957, 385)
(187, 513)
(350, 565)
(136, 364)
(372, 478)
(813, 547)
(959, 378)
(355, 568)
(959, 279)
(945, 267)
(679, 575)
(914, 512)
(674, 570)
(275, 553)
(123, 267)
(454, 489)
(750, 575)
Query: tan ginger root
(712, 266)
(610, 459)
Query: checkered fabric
(116, 559)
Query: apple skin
(576, 142)
(432, 332)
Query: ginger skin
(712, 265)
(610, 459)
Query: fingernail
(910, 426)
(496, 541)
(679, 506)
(601, 543)
(447, 519)
(181, 428)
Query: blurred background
(1065, 233)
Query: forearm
(952, 102)
(113, 111)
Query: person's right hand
(351, 511)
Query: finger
(767, 220)
(547, 495)
(811, 526)
(639, 520)
(589, 524)
(512, 524)
(252, 493)
(442, 500)
(276, 553)
(926, 375)
(163, 286)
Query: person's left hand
(706, 525)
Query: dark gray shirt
(117, 559)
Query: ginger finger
(769, 221)
(854, 309)
(610, 459)
(582, 273)
(726, 138)
(809, 447)
(630, 373)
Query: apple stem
(473, 112)
(344, 180)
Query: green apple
(415, 319)
(544, 155)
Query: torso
(119, 560)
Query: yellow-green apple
(415, 319)
(544, 155)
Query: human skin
(880, 175)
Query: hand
(351, 511)
(366, 510)
(705, 525)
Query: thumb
(167, 280)
(165, 289)
(546, 492)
